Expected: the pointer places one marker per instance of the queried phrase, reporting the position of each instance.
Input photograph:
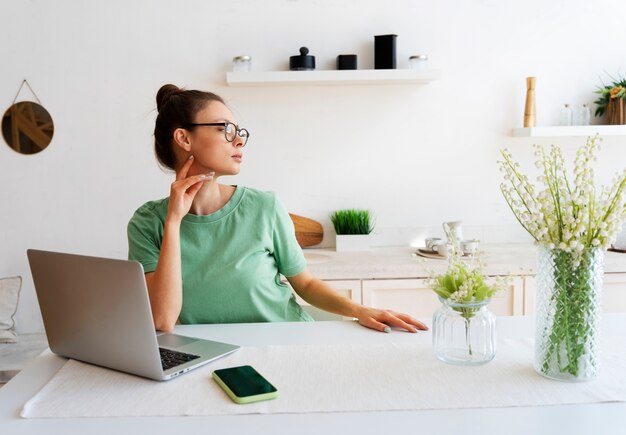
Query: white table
(605, 418)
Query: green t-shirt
(231, 259)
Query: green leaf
(443, 292)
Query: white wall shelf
(332, 77)
(571, 131)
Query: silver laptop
(97, 310)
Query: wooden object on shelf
(308, 231)
(530, 114)
(333, 77)
(616, 111)
(571, 131)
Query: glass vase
(464, 333)
(568, 313)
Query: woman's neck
(210, 198)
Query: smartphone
(244, 384)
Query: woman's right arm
(165, 284)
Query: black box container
(346, 61)
(385, 51)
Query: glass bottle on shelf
(566, 115)
(418, 62)
(585, 115)
(242, 64)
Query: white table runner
(331, 379)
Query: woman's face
(208, 144)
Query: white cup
(431, 242)
(442, 249)
(469, 246)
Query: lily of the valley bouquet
(463, 286)
(567, 214)
(573, 223)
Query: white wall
(414, 155)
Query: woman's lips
(237, 157)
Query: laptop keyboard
(171, 358)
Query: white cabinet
(509, 302)
(414, 297)
(348, 288)
(613, 293)
(409, 296)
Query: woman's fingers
(382, 321)
(372, 323)
(410, 320)
(184, 185)
(181, 174)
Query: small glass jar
(242, 64)
(566, 115)
(464, 333)
(419, 61)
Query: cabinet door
(613, 293)
(348, 288)
(509, 301)
(414, 297)
(409, 296)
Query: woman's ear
(181, 139)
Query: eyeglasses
(230, 130)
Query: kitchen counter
(401, 262)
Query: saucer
(429, 253)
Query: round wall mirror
(27, 127)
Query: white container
(418, 62)
(353, 242)
(242, 64)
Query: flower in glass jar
(464, 281)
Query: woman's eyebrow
(223, 120)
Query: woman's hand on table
(384, 320)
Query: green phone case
(244, 399)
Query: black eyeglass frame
(224, 124)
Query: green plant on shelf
(351, 221)
(616, 89)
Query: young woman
(214, 253)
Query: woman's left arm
(317, 293)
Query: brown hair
(176, 108)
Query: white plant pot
(353, 242)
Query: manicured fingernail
(387, 329)
(191, 157)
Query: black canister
(303, 62)
(346, 61)
(385, 51)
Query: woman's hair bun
(165, 93)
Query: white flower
(564, 214)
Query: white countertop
(400, 262)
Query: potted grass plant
(353, 228)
